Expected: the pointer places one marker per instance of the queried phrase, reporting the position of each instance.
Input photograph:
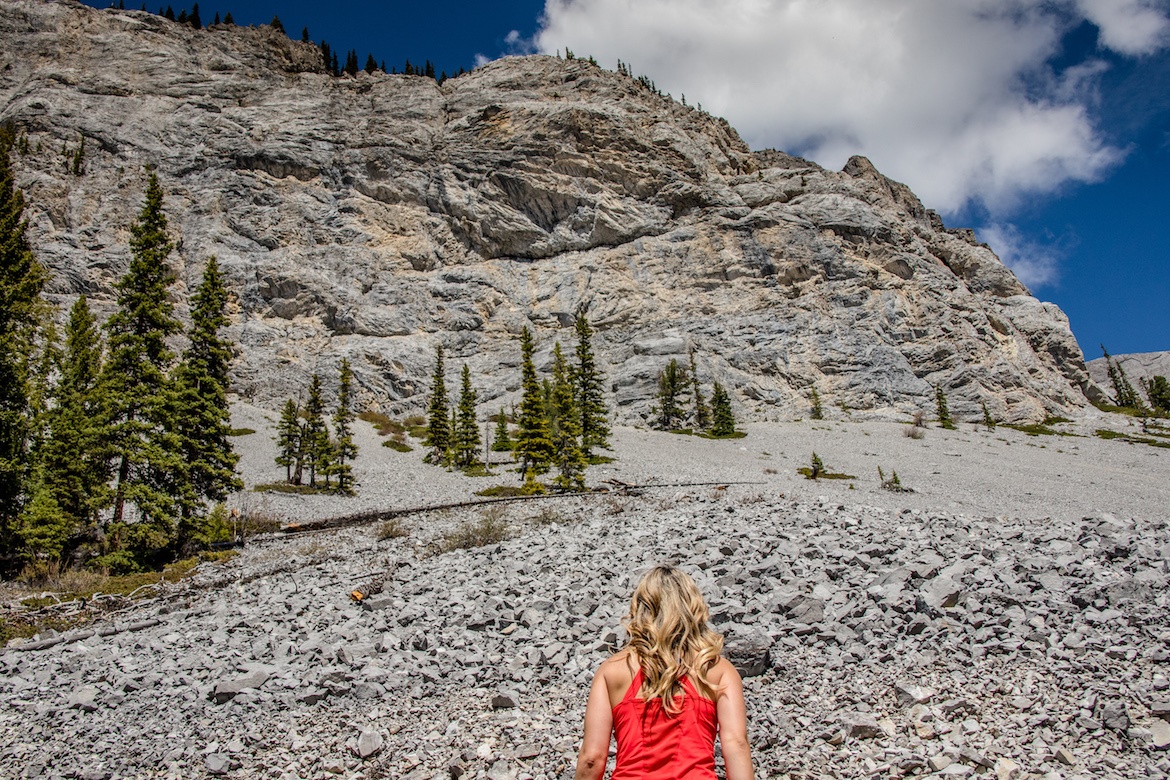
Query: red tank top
(654, 745)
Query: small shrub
(397, 444)
(770, 470)
(818, 470)
(913, 432)
(492, 528)
(383, 423)
(241, 431)
(550, 516)
(988, 420)
(393, 528)
(919, 419)
(751, 498)
(893, 484)
(285, 487)
(478, 470)
(599, 460)
(501, 491)
(614, 506)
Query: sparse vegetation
(393, 528)
(893, 483)
(944, 413)
(1108, 434)
(817, 470)
(285, 487)
(241, 431)
(491, 528)
(397, 444)
(914, 432)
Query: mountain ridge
(373, 217)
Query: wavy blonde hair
(669, 635)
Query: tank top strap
(635, 686)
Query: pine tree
(1158, 391)
(702, 413)
(344, 449)
(21, 281)
(194, 19)
(134, 381)
(1123, 393)
(944, 414)
(288, 442)
(276, 24)
(304, 35)
(672, 392)
(371, 63)
(351, 63)
(200, 419)
(216, 20)
(818, 411)
(722, 420)
(588, 381)
(533, 446)
(438, 425)
(567, 454)
(315, 445)
(467, 440)
(502, 442)
(71, 470)
(170, 13)
(227, 19)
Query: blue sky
(1043, 124)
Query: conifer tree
(533, 446)
(672, 391)
(567, 454)
(21, 281)
(1123, 393)
(200, 419)
(722, 420)
(194, 19)
(227, 19)
(216, 20)
(438, 424)
(467, 439)
(134, 379)
(344, 449)
(315, 445)
(276, 24)
(351, 63)
(588, 381)
(304, 35)
(1158, 391)
(502, 442)
(702, 413)
(944, 414)
(71, 471)
(371, 63)
(818, 411)
(288, 442)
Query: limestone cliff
(375, 217)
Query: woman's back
(653, 744)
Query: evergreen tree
(672, 391)
(227, 19)
(194, 19)
(988, 420)
(170, 13)
(588, 381)
(567, 454)
(71, 471)
(371, 63)
(1123, 393)
(304, 35)
(502, 442)
(134, 381)
(722, 420)
(288, 442)
(334, 67)
(1158, 391)
(182, 18)
(944, 413)
(467, 440)
(21, 281)
(344, 449)
(818, 411)
(438, 425)
(216, 20)
(315, 445)
(200, 420)
(533, 446)
(351, 63)
(276, 24)
(702, 413)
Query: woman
(666, 693)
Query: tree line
(680, 400)
(560, 421)
(113, 448)
(304, 443)
(1157, 391)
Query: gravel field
(1008, 619)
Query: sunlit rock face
(378, 216)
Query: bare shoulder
(722, 673)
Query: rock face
(375, 217)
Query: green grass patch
(285, 487)
(417, 431)
(599, 460)
(1039, 429)
(383, 423)
(1107, 434)
(478, 470)
(806, 472)
(241, 431)
(398, 445)
(732, 435)
(512, 491)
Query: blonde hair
(669, 635)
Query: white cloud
(953, 97)
(1034, 264)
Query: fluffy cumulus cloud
(955, 98)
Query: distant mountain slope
(375, 217)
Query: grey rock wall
(375, 217)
